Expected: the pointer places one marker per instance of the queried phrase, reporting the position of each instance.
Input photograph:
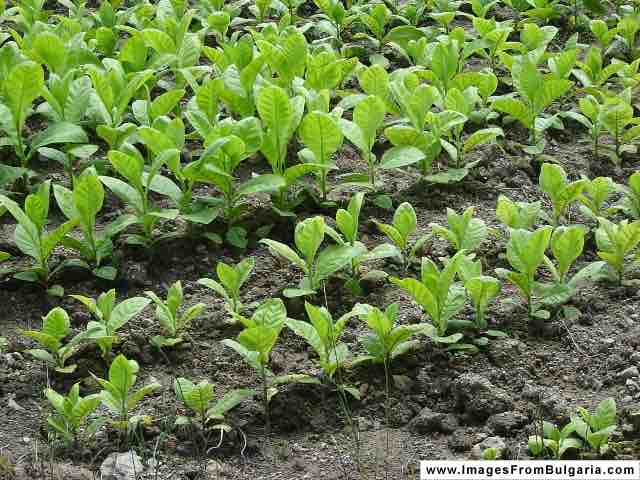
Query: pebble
(489, 442)
(630, 372)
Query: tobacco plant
(55, 328)
(83, 204)
(536, 92)
(322, 137)
(231, 278)
(118, 396)
(464, 232)
(254, 345)
(561, 191)
(403, 226)
(595, 194)
(109, 317)
(199, 398)
(71, 412)
(347, 222)
(615, 242)
(135, 192)
(630, 203)
(567, 244)
(23, 85)
(323, 335)
(439, 296)
(596, 428)
(520, 215)
(554, 441)
(526, 253)
(172, 323)
(33, 240)
(317, 265)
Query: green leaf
(61, 132)
(26, 81)
(397, 157)
(262, 183)
(320, 133)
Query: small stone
(428, 421)
(121, 466)
(479, 398)
(13, 359)
(626, 323)
(632, 387)
(506, 423)
(403, 383)
(489, 442)
(630, 372)
(214, 469)
(606, 343)
(635, 358)
(11, 403)
(627, 399)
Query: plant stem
(387, 410)
(265, 404)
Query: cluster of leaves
(587, 430)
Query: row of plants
(74, 416)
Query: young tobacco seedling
(228, 146)
(254, 345)
(463, 102)
(323, 335)
(231, 278)
(526, 253)
(464, 232)
(594, 196)
(199, 399)
(438, 295)
(618, 119)
(566, 244)
(32, 239)
(172, 323)
(590, 116)
(554, 442)
(596, 428)
(561, 192)
(387, 340)
(615, 242)
(110, 317)
(404, 224)
(71, 412)
(23, 84)
(482, 290)
(280, 118)
(118, 396)
(84, 203)
(55, 327)
(536, 92)
(135, 192)
(630, 203)
(521, 215)
(316, 265)
(415, 100)
(368, 118)
(322, 137)
(591, 72)
(347, 222)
